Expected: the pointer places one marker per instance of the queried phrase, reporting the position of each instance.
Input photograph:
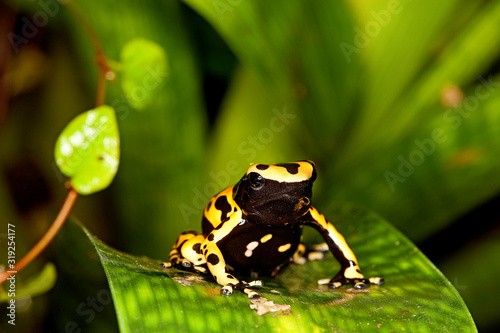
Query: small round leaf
(144, 66)
(88, 150)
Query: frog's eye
(256, 180)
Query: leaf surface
(144, 65)
(88, 150)
(37, 285)
(415, 297)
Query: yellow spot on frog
(266, 238)
(285, 247)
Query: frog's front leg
(186, 253)
(217, 266)
(349, 273)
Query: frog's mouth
(287, 201)
(282, 208)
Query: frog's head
(276, 194)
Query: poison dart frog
(255, 228)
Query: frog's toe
(244, 287)
(252, 294)
(376, 280)
(184, 265)
(359, 285)
(227, 290)
(315, 255)
(255, 283)
(187, 264)
(337, 282)
(201, 269)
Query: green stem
(104, 74)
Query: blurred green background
(397, 102)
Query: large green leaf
(404, 89)
(265, 138)
(415, 297)
(433, 171)
(294, 51)
(388, 70)
(451, 50)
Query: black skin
(270, 203)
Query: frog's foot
(321, 247)
(359, 283)
(185, 265)
(304, 254)
(243, 287)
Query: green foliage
(163, 148)
(362, 98)
(88, 150)
(415, 297)
(139, 59)
(477, 282)
(37, 285)
(357, 86)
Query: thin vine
(104, 73)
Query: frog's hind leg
(186, 253)
(304, 254)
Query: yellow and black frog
(255, 228)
